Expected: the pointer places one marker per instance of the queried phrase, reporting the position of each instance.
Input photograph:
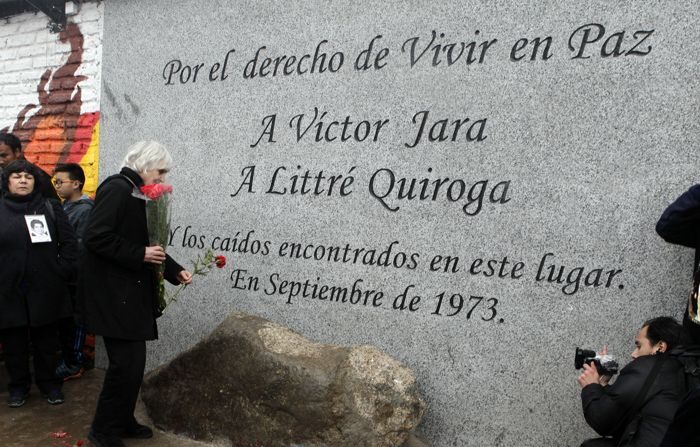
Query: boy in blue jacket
(68, 180)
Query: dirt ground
(38, 424)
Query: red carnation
(220, 261)
(156, 190)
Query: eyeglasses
(57, 182)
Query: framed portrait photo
(38, 229)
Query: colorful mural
(54, 130)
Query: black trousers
(115, 407)
(44, 341)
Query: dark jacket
(683, 431)
(34, 277)
(680, 224)
(606, 408)
(78, 212)
(117, 289)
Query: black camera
(606, 364)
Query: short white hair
(147, 155)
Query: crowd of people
(74, 267)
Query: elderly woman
(118, 288)
(34, 272)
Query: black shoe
(55, 397)
(100, 440)
(138, 431)
(17, 398)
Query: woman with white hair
(118, 288)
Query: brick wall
(50, 87)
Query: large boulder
(256, 383)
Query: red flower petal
(156, 190)
(220, 261)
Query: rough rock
(255, 383)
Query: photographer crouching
(638, 407)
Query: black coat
(605, 407)
(117, 290)
(34, 277)
(680, 224)
(683, 431)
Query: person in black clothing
(11, 150)
(610, 409)
(34, 279)
(118, 288)
(680, 224)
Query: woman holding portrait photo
(39, 255)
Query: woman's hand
(589, 375)
(184, 277)
(154, 254)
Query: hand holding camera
(597, 368)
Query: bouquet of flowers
(158, 220)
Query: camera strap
(632, 415)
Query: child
(68, 180)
